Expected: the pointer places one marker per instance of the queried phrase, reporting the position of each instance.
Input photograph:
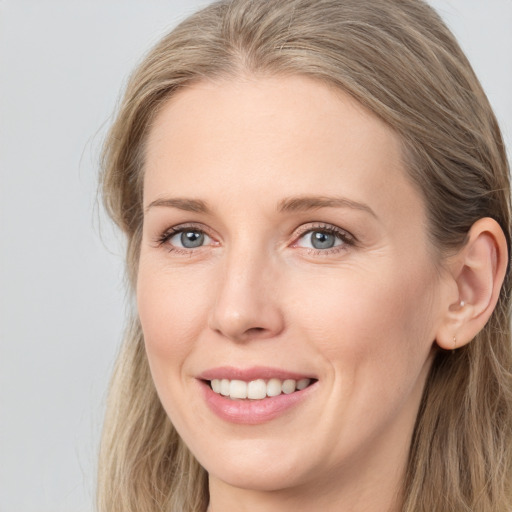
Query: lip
(252, 412)
(252, 373)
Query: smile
(255, 395)
(257, 389)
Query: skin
(361, 317)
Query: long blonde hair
(398, 59)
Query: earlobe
(479, 270)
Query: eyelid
(323, 226)
(348, 240)
(164, 237)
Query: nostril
(255, 330)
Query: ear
(478, 270)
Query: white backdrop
(62, 65)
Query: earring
(454, 344)
(462, 304)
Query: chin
(261, 478)
(259, 470)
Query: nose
(246, 304)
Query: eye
(324, 238)
(189, 239)
(319, 240)
(184, 238)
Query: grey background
(62, 65)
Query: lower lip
(253, 412)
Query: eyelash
(347, 239)
(164, 238)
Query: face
(285, 257)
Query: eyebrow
(188, 205)
(292, 204)
(305, 203)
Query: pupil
(321, 240)
(191, 239)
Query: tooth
(224, 387)
(257, 389)
(303, 383)
(289, 386)
(274, 387)
(238, 389)
(216, 385)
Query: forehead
(274, 136)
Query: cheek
(368, 322)
(173, 309)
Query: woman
(316, 201)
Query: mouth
(255, 395)
(257, 389)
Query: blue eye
(191, 239)
(323, 239)
(188, 239)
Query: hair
(398, 59)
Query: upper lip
(252, 373)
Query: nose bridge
(245, 306)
